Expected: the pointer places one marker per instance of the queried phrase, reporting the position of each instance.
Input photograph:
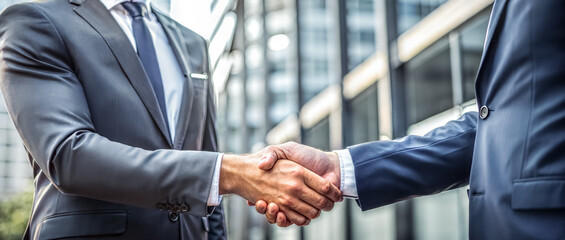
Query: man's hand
(298, 192)
(325, 164)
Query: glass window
(441, 216)
(361, 25)
(363, 127)
(315, 32)
(318, 136)
(364, 117)
(313, 3)
(410, 12)
(472, 41)
(428, 83)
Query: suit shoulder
(40, 9)
(19, 15)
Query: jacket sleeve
(391, 171)
(46, 101)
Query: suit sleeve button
(161, 206)
(173, 216)
(483, 113)
(176, 208)
(169, 207)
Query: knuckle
(293, 187)
(269, 149)
(296, 171)
(290, 144)
(322, 203)
(285, 201)
(325, 187)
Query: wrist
(335, 168)
(228, 172)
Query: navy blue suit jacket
(512, 154)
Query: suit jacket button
(161, 206)
(169, 207)
(184, 207)
(484, 112)
(173, 216)
(176, 208)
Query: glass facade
(15, 173)
(364, 116)
(410, 12)
(361, 31)
(318, 136)
(438, 78)
(317, 46)
(428, 83)
(471, 42)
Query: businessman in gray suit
(114, 104)
(511, 153)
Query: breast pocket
(200, 83)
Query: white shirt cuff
(214, 198)
(348, 184)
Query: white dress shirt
(348, 184)
(171, 73)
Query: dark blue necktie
(146, 51)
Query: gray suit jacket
(103, 163)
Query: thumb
(268, 160)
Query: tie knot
(135, 9)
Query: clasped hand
(296, 192)
(324, 164)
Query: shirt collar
(113, 3)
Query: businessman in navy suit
(511, 153)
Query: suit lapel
(102, 21)
(497, 12)
(180, 50)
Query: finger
(272, 211)
(268, 160)
(295, 217)
(250, 203)
(300, 206)
(281, 220)
(261, 206)
(315, 200)
(322, 186)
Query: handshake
(289, 183)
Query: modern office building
(352, 71)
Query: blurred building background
(330, 74)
